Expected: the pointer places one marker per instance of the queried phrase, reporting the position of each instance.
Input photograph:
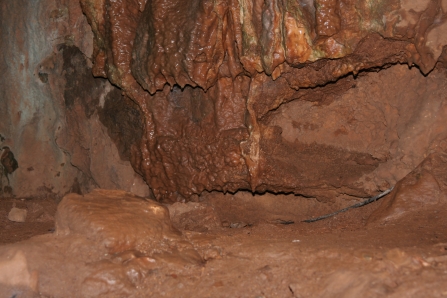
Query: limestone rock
(17, 214)
(278, 96)
(52, 108)
(116, 220)
(215, 80)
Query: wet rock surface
(207, 96)
(209, 78)
(253, 116)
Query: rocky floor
(233, 245)
(39, 218)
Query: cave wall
(361, 135)
(55, 116)
(213, 77)
(317, 98)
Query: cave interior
(204, 148)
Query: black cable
(366, 202)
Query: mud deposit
(113, 244)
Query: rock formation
(332, 100)
(317, 98)
(275, 95)
(59, 121)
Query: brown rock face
(61, 123)
(272, 95)
(425, 186)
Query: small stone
(17, 214)
(238, 225)
(212, 253)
